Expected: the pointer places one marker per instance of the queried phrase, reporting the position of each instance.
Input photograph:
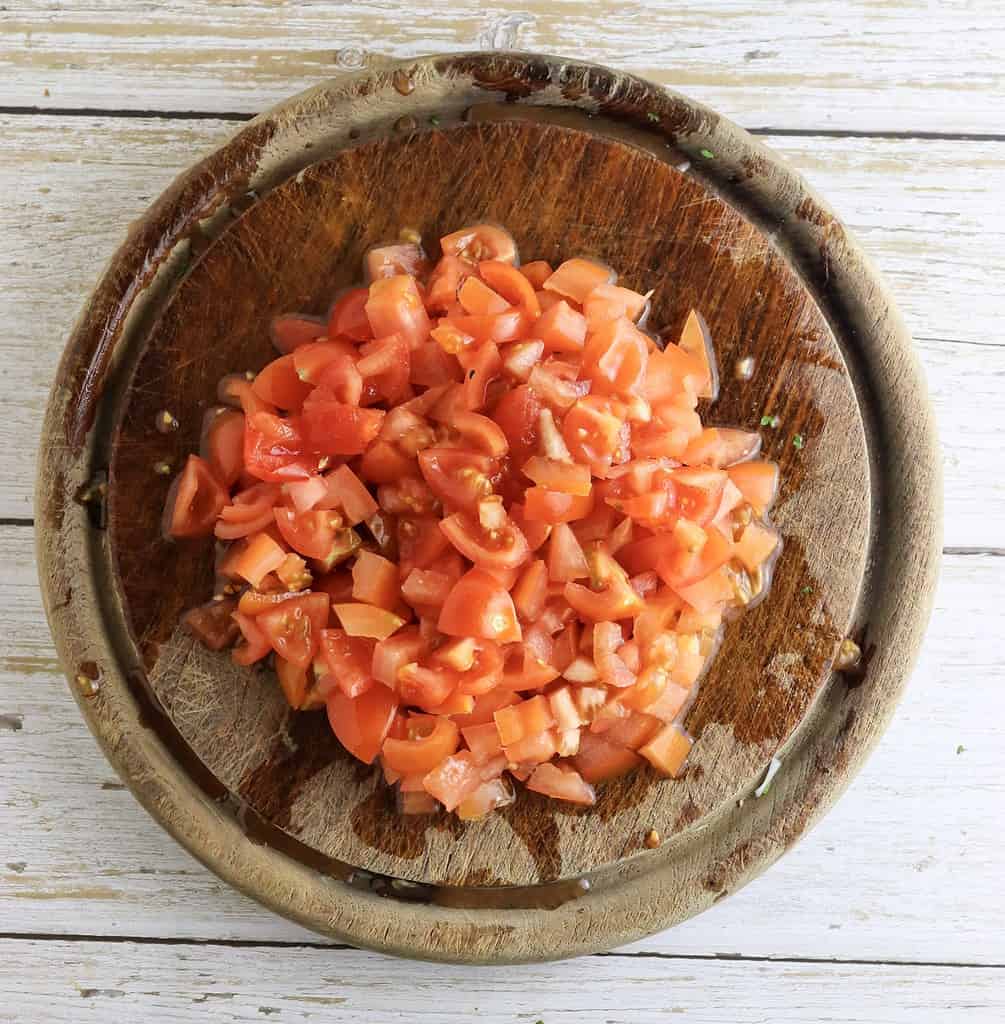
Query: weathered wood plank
(74, 183)
(78, 854)
(111, 982)
(826, 64)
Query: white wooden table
(893, 909)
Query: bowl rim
(675, 883)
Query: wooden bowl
(575, 159)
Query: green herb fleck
(707, 154)
(770, 421)
(434, 121)
(798, 442)
(653, 116)
(806, 590)
(960, 749)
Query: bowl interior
(564, 186)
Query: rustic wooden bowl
(575, 159)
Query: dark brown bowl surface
(575, 160)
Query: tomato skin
(311, 534)
(511, 284)
(480, 606)
(459, 478)
(349, 661)
(334, 428)
(292, 330)
(480, 242)
(362, 723)
(508, 551)
(555, 506)
(279, 384)
(375, 581)
(222, 444)
(394, 306)
(576, 278)
(195, 500)
(615, 358)
(294, 627)
(435, 738)
(347, 317)
(480, 366)
(517, 414)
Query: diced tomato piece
(429, 741)
(347, 317)
(366, 620)
(550, 780)
(195, 500)
(362, 723)
(566, 561)
(349, 660)
(528, 718)
(531, 592)
(699, 492)
(375, 581)
(334, 428)
(394, 260)
(555, 506)
(384, 463)
(757, 482)
(445, 282)
(399, 649)
(294, 627)
(480, 242)
(561, 328)
(705, 594)
(480, 606)
(222, 444)
(453, 779)
(483, 741)
(212, 624)
(609, 302)
(481, 366)
(613, 671)
(598, 760)
(488, 797)
(537, 272)
(668, 750)
(533, 750)
(492, 328)
(696, 341)
(431, 366)
(556, 475)
(595, 432)
(478, 299)
(517, 414)
(459, 478)
(395, 306)
(291, 331)
(386, 365)
(507, 281)
(615, 358)
(576, 278)
(719, 447)
(256, 644)
(279, 384)
(756, 545)
(501, 547)
(261, 556)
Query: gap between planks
(143, 940)
(240, 116)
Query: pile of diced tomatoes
(475, 515)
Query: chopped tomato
(609, 302)
(499, 546)
(480, 242)
(576, 278)
(347, 317)
(222, 444)
(555, 506)
(291, 331)
(696, 341)
(561, 328)
(362, 723)
(280, 385)
(330, 427)
(478, 605)
(365, 620)
(459, 478)
(757, 482)
(195, 500)
(504, 491)
(294, 627)
(550, 780)
(511, 284)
